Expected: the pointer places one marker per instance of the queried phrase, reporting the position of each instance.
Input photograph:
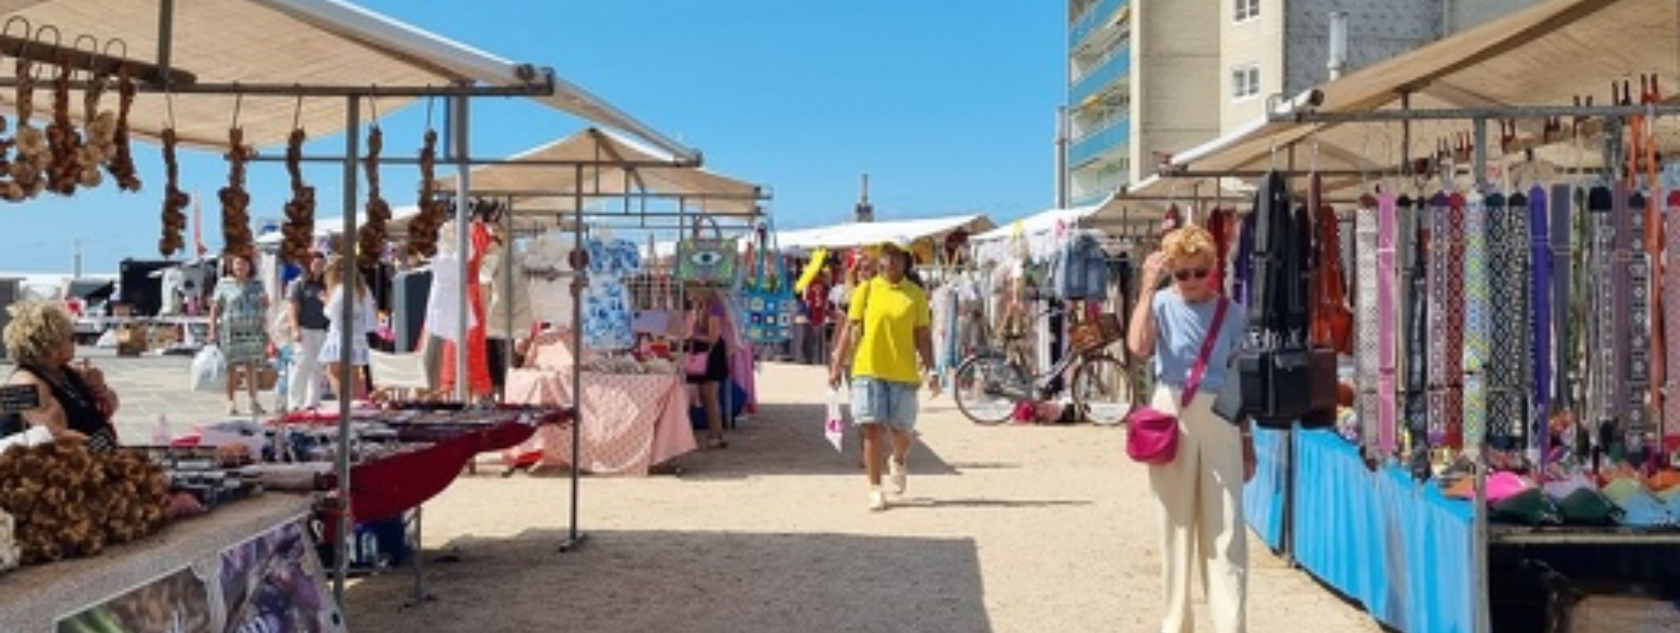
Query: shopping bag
(209, 370)
(770, 302)
(835, 428)
(708, 261)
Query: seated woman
(75, 402)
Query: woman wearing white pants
(309, 326)
(1200, 490)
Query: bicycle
(990, 383)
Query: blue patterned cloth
(607, 315)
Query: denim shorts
(875, 400)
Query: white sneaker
(898, 473)
(877, 500)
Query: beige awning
(612, 165)
(283, 42)
(1545, 55)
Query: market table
(631, 422)
(34, 598)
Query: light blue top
(1179, 328)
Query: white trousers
(1200, 494)
(303, 390)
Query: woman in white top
(332, 352)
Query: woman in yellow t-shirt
(889, 321)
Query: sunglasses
(1191, 273)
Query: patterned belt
(1454, 405)
(1387, 388)
(1602, 360)
(1638, 325)
(1416, 231)
(1438, 259)
(1540, 258)
(1671, 325)
(1366, 332)
(1476, 317)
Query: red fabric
(478, 362)
(816, 302)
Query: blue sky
(949, 106)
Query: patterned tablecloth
(631, 422)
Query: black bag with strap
(1277, 378)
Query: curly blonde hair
(1188, 243)
(36, 330)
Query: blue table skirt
(1394, 545)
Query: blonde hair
(1188, 243)
(36, 330)
(335, 276)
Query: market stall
(1509, 423)
(603, 188)
(222, 60)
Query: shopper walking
(1200, 491)
(308, 316)
(237, 324)
(888, 322)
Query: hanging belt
(1476, 315)
(1439, 258)
(1602, 362)
(1562, 269)
(1671, 324)
(1638, 324)
(1454, 402)
(1387, 387)
(1367, 332)
(1540, 258)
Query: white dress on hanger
(443, 305)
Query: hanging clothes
(607, 313)
(478, 360)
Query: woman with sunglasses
(1200, 491)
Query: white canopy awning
(282, 42)
(1042, 222)
(1545, 55)
(853, 234)
(542, 185)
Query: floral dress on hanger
(607, 314)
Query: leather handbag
(1152, 434)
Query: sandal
(716, 443)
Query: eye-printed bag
(708, 261)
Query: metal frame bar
(533, 162)
(348, 276)
(1471, 114)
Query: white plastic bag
(835, 428)
(209, 370)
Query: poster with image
(176, 603)
(274, 584)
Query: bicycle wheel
(978, 389)
(1102, 389)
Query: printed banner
(176, 603)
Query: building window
(1247, 10)
(1245, 81)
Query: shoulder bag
(1151, 434)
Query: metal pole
(346, 370)
(166, 39)
(463, 245)
(580, 280)
(1479, 530)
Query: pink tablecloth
(630, 422)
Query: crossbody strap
(1200, 367)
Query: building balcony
(1092, 21)
(1088, 147)
(1107, 73)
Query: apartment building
(1142, 78)
(1153, 77)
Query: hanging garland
(371, 236)
(299, 230)
(119, 157)
(236, 202)
(174, 200)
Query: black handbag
(1277, 378)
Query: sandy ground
(1003, 529)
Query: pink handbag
(1152, 435)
